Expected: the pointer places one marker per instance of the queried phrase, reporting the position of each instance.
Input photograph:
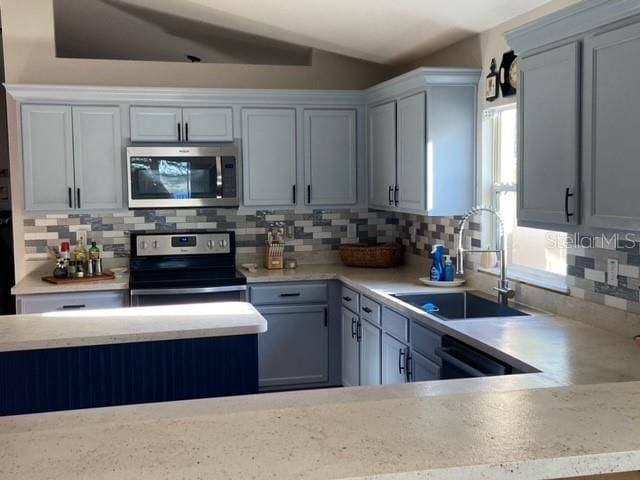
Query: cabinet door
(612, 125)
(370, 336)
(423, 369)
(411, 155)
(207, 124)
(156, 124)
(548, 137)
(350, 349)
(97, 145)
(295, 348)
(330, 157)
(269, 156)
(47, 153)
(382, 154)
(394, 360)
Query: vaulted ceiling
(273, 31)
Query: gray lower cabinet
(549, 137)
(295, 348)
(72, 157)
(350, 349)
(422, 369)
(370, 337)
(611, 112)
(395, 356)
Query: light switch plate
(612, 272)
(352, 230)
(81, 236)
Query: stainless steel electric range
(184, 267)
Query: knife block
(274, 257)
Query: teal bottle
(437, 268)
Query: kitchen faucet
(504, 292)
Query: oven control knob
(210, 244)
(143, 245)
(156, 244)
(223, 243)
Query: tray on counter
(66, 281)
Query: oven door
(180, 296)
(182, 177)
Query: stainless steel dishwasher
(460, 360)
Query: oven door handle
(187, 291)
(446, 355)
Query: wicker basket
(371, 256)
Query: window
(533, 255)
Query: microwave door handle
(218, 177)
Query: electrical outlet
(81, 236)
(352, 230)
(612, 272)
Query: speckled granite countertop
(391, 432)
(77, 328)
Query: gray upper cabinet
(72, 157)
(156, 124)
(350, 349)
(549, 136)
(382, 155)
(422, 142)
(47, 152)
(611, 144)
(330, 157)
(370, 353)
(295, 349)
(578, 117)
(269, 156)
(394, 360)
(207, 124)
(411, 153)
(175, 124)
(97, 144)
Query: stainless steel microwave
(180, 176)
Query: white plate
(454, 283)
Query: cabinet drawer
(425, 341)
(351, 299)
(288, 294)
(369, 310)
(395, 324)
(71, 301)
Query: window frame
(492, 153)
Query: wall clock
(509, 74)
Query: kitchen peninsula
(81, 359)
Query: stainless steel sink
(459, 305)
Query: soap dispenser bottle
(437, 268)
(449, 272)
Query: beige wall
(29, 50)
(477, 51)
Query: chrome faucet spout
(504, 292)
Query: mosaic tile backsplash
(316, 230)
(312, 230)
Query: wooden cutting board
(66, 281)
